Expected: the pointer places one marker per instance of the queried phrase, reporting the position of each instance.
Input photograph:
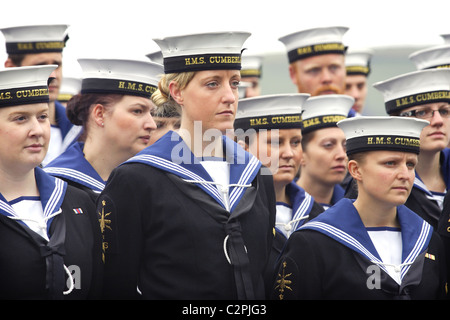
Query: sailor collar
(444, 161)
(171, 154)
(72, 165)
(51, 191)
(302, 203)
(349, 230)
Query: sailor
(323, 166)
(40, 45)
(425, 94)
(167, 117)
(51, 240)
(269, 127)
(317, 60)
(251, 73)
(114, 109)
(373, 247)
(191, 216)
(70, 87)
(357, 65)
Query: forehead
(333, 133)
(26, 108)
(44, 58)
(321, 61)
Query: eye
(296, 142)
(43, 116)
(235, 83)
(212, 84)
(422, 113)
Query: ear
(293, 73)
(243, 145)
(176, 92)
(355, 170)
(98, 113)
(9, 63)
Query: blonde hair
(161, 97)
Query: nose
(326, 76)
(341, 153)
(150, 123)
(36, 128)
(286, 151)
(436, 118)
(230, 94)
(403, 172)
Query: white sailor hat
(251, 65)
(430, 58)
(35, 39)
(24, 85)
(70, 86)
(155, 57)
(325, 111)
(357, 61)
(369, 133)
(415, 88)
(314, 41)
(446, 37)
(129, 77)
(277, 111)
(202, 51)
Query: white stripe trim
(72, 173)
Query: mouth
(226, 113)
(436, 134)
(340, 168)
(35, 147)
(401, 188)
(145, 138)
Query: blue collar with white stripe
(51, 191)
(302, 203)
(72, 165)
(171, 154)
(343, 224)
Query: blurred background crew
(316, 60)
(357, 65)
(42, 45)
(70, 87)
(324, 161)
(114, 109)
(251, 74)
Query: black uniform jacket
(168, 238)
(31, 267)
(326, 260)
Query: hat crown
(24, 77)
(130, 70)
(431, 57)
(202, 43)
(382, 125)
(358, 57)
(32, 33)
(313, 36)
(330, 104)
(415, 88)
(271, 105)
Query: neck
(101, 157)
(280, 193)
(201, 147)
(374, 213)
(321, 192)
(429, 170)
(14, 185)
